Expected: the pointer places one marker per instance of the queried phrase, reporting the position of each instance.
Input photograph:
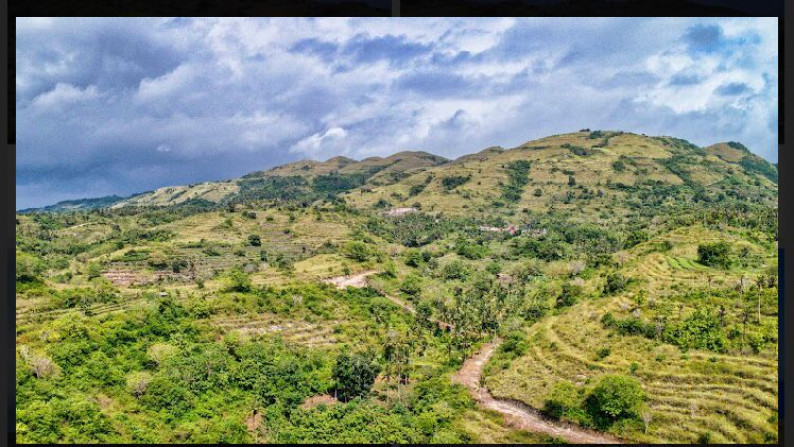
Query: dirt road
(517, 414)
(357, 280)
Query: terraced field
(733, 397)
(291, 331)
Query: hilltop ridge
(608, 164)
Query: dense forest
(626, 284)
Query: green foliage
(717, 254)
(354, 374)
(455, 270)
(700, 330)
(237, 281)
(615, 397)
(73, 419)
(358, 251)
(515, 344)
(412, 285)
(470, 249)
(453, 181)
(757, 165)
(615, 283)
(618, 166)
(28, 268)
(563, 401)
(254, 240)
(569, 295)
(516, 180)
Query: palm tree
(759, 281)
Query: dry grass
(734, 395)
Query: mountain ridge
(392, 177)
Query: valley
(589, 287)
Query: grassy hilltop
(632, 279)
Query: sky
(124, 105)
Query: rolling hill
(595, 285)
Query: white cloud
(313, 144)
(64, 94)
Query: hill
(600, 285)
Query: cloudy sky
(117, 106)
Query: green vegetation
(634, 291)
(716, 254)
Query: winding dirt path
(517, 414)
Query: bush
(570, 295)
(354, 374)
(615, 283)
(714, 255)
(453, 181)
(358, 251)
(411, 285)
(603, 353)
(515, 344)
(455, 270)
(563, 398)
(615, 397)
(255, 240)
(237, 281)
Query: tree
(616, 397)
(255, 240)
(28, 267)
(354, 374)
(714, 255)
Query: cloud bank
(116, 106)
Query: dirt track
(357, 280)
(519, 415)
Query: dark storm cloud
(117, 106)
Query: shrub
(570, 295)
(455, 270)
(255, 240)
(603, 353)
(453, 181)
(615, 283)
(615, 397)
(714, 255)
(563, 398)
(515, 344)
(358, 251)
(237, 281)
(411, 285)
